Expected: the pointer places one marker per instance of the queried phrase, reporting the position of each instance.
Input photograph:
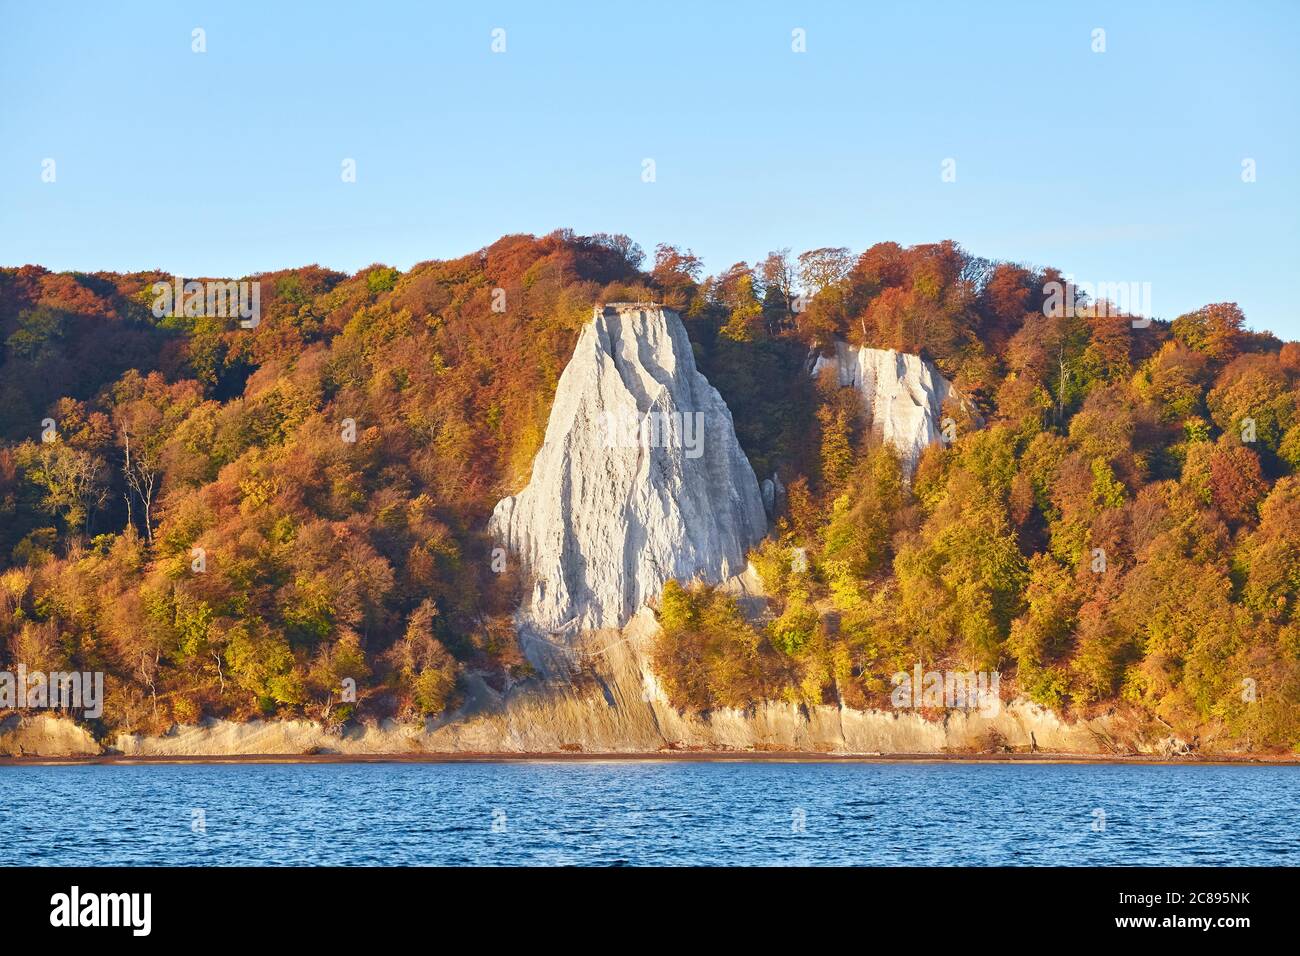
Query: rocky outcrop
(773, 495)
(640, 479)
(45, 735)
(904, 395)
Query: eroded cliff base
(610, 704)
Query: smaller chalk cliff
(903, 394)
(640, 480)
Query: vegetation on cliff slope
(1126, 526)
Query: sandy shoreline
(1272, 760)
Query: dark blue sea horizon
(649, 813)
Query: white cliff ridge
(903, 394)
(640, 479)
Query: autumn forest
(1115, 525)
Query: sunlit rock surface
(640, 479)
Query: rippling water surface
(571, 813)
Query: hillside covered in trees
(230, 521)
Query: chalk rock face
(640, 479)
(903, 393)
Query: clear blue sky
(1118, 166)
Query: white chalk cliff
(640, 479)
(903, 394)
